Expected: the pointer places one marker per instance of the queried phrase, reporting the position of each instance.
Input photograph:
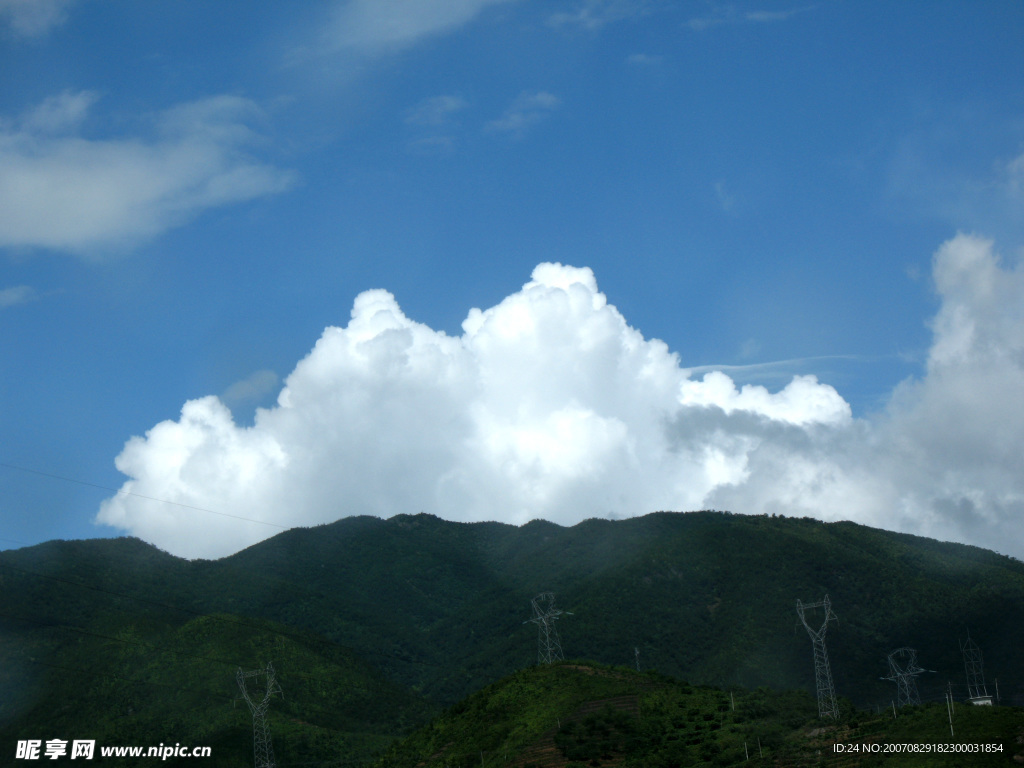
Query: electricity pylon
(822, 673)
(549, 649)
(902, 671)
(974, 669)
(263, 749)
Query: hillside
(373, 624)
(137, 684)
(707, 597)
(577, 714)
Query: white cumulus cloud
(549, 405)
(63, 190)
(946, 459)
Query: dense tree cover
(373, 624)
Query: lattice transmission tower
(822, 673)
(974, 669)
(902, 671)
(549, 648)
(259, 701)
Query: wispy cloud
(433, 122)
(644, 59)
(594, 14)
(62, 190)
(432, 145)
(935, 172)
(750, 347)
(525, 111)
(32, 18)
(435, 111)
(18, 294)
(769, 16)
(251, 389)
(1012, 183)
(729, 14)
(62, 113)
(375, 26)
(725, 198)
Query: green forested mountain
(372, 625)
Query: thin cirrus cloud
(525, 111)
(435, 111)
(594, 14)
(251, 389)
(644, 59)
(926, 176)
(730, 15)
(438, 116)
(33, 18)
(18, 294)
(376, 26)
(725, 198)
(63, 190)
(549, 405)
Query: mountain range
(374, 626)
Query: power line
(310, 636)
(206, 694)
(158, 604)
(100, 635)
(164, 648)
(126, 679)
(187, 506)
(121, 491)
(321, 710)
(136, 681)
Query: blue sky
(190, 194)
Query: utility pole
(263, 748)
(636, 652)
(949, 711)
(822, 672)
(549, 647)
